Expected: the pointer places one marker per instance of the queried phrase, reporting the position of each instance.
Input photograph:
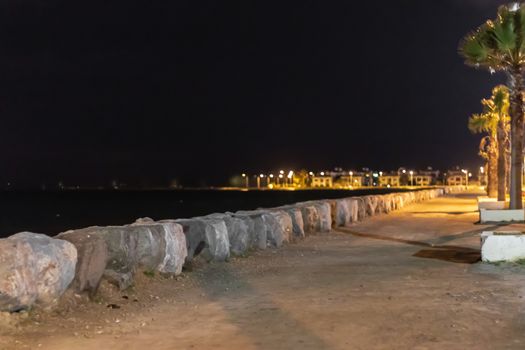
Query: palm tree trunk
(492, 172)
(502, 179)
(516, 135)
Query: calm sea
(55, 212)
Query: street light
(259, 180)
(411, 178)
(245, 179)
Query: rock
(297, 222)
(174, 250)
(325, 216)
(310, 218)
(145, 220)
(34, 270)
(361, 207)
(380, 204)
(388, 203)
(92, 259)
(258, 230)
(342, 213)
(159, 247)
(238, 232)
(279, 227)
(333, 212)
(206, 236)
(370, 205)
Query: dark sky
(146, 91)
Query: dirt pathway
(399, 281)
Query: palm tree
(499, 46)
(495, 121)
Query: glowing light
(482, 169)
(243, 175)
(262, 175)
(350, 173)
(271, 175)
(322, 173)
(411, 172)
(404, 171)
(311, 173)
(281, 172)
(280, 176)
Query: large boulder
(34, 270)
(257, 227)
(173, 250)
(342, 213)
(297, 221)
(279, 227)
(370, 204)
(239, 234)
(310, 218)
(333, 211)
(206, 236)
(92, 259)
(325, 216)
(155, 247)
(380, 204)
(359, 202)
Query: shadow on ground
(450, 253)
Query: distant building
(392, 180)
(322, 181)
(456, 178)
(423, 180)
(347, 181)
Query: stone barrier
(37, 269)
(34, 270)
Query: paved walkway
(407, 280)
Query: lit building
(456, 178)
(322, 181)
(346, 181)
(423, 180)
(392, 180)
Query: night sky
(147, 91)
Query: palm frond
(503, 32)
(474, 50)
(479, 123)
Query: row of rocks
(36, 269)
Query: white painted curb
(502, 215)
(502, 246)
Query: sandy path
(385, 288)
